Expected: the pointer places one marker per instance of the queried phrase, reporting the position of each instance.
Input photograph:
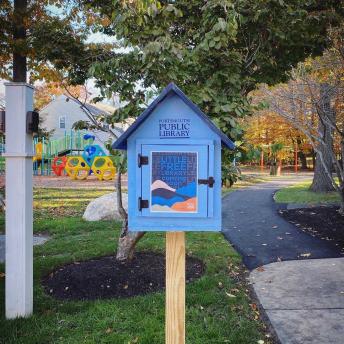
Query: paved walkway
(251, 223)
(304, 300)
(37, 240)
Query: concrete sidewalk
(37, 240)
(304, 300)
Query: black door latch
(210, 181)
(143, 203)
(142, 160)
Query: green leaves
(216, 51)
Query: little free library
(174, 185)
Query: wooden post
(262, 161)
(175, 288)
(295, 158)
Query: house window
(62, 122)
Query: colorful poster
(174, 182)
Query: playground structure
(74, 155)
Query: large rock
(105, 208)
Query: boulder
(105, 208)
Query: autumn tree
(45, 92)
(265, 129)
(312, 101)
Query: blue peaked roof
(121, 142)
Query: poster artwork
(174, 182)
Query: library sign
(174, 127)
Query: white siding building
(62, 112)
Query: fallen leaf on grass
(253, 306)
(230, 295)
(305, 255)
(108, 330)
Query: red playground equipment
(59, 164)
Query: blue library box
(174, 166)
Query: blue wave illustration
(169, 202)
(189, 190)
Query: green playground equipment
(73, 143)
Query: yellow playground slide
(38, 151)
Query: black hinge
(143, 203)
(210, 181)
(142, 160)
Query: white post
(19, 240)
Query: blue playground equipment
(91, 152)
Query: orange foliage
(45, 93)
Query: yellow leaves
(265, 128)
(105, 21)
(45, 92)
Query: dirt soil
(323, 222)
(105, 278)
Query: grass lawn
(218, 308)
(300, 193)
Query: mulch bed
(105, 278)
(323, 222)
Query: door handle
(210, 181)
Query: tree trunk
(341, 209)
(127, 240)
(273, 169)
(321, 180)
(303, 160)
(19, 35)
(127, 244)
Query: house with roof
(62, 112)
